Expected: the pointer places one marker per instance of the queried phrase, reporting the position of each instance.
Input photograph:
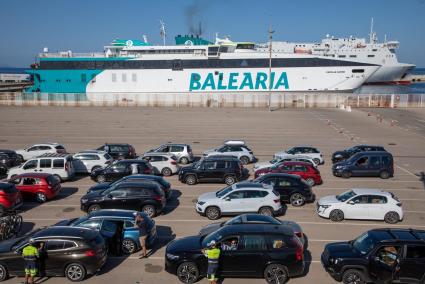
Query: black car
(120, 169)
(263, 251)
(8, 159)
(292, 188)
(119, 151)
(227, 169)
(165, 185)
(339, 156)
(366, 164)
(146, 196)
(379, 256)
(70, 252)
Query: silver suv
(183, 152)
(236, 148)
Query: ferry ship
(192, 65)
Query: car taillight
(276, 200)
(299, 253)
(90, 253)
(399, 204)
(173, 162)
(67, 166)
(108, 162)
(158, 198)
(299, 234)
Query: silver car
(236, 148)
(183, 152)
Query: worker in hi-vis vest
(30, 255)
(213, 254)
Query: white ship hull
(393, 74)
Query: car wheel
(316, 161)
(336, 215)
(75, 272)
(276, 274)
(166, 172)
(297, 199)
(41, 197)
(391, 217)
(95, 168)
(58, 177)
(213, 213)
(129, 246)
(266, 211)
(188, 272)
(100, 178)
(149, 210)
(244, 160)
(184, 161)
(310, 181)
(346, 174)
(93, 208)
(190, 180)
(229, 180)
(352, 276)
(384, 174)
(4, 274)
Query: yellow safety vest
(213, 255)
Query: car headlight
(172, 256)
(334, 260)
(338, 167)
(201, 202)
(325, 206)
(84, 200)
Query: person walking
(30, 255)
(213, 254)
(142, 226)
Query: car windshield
(274, 161)
(352, 150)
(364, 244)
(77, 221)
(345, 196)
(223, 191)
(214, 236)
(24, 239)
(197, 164)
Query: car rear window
(176, 149)
(7, 188)
(119, 148)
(58, 163)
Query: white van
(59, 165)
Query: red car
(38, 185)
(305, 170)
(10, 198)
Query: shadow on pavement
(165, 235)
(173, 202)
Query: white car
(236, 148)
(362, 204)
(242, 197)
(305, 151)
(164, 164)
(275, 161)
(40, 149)
(90, 160)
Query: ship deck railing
(72, 55)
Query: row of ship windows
(124, 77)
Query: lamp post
(270, 67)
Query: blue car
(110, 222)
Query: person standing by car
(134, 169)
(30, 255)
(42, 255)
(213, 254)
(142, 226)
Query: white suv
(164, 164)
(361, 203)
(305, 151)
(242, 197)
(236, 148)
(90, 160)
(40, 149)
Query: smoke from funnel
(193, 17)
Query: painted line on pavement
(406, 171)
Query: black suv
(292, 188)
(119, 151)
(378, 256)
(227, 169)
(146, 196)
(120, 169)
(8, 159)
(73, 252)
(265, 251)
(339, 156)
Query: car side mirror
(376, 258)
(109, 196)
(351, 202)
(227, 198)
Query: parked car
(391, 255)
(277, 161)
(361, 203)
(163, 164)
(120, 169)
(227, 169)
(243, 197)
(306, 171)
(59, 165)
(39, 186)
(146, 196)
(40, 149)
(254, 220)
(119, 151)
(10, 198)
(8, 159)
(123, 219)
(72, 252)
(90, 160)
(183, 152)
(307, 151)
(366, 164)
(263, 251)
(339, 156)
(236, 148)
(292, 188)
(165, 185)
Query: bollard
(369, 114)
(348, 109)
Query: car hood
(207, 196)
(262, 165)
(20, 151)
(342, 250)
(330, 199)
(92, 195)
(6, 246)
(187, 244)
(339, 154)
(281, 154)
(100, 186)
(208, 229)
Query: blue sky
(87, 25)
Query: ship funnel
(46, 50)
